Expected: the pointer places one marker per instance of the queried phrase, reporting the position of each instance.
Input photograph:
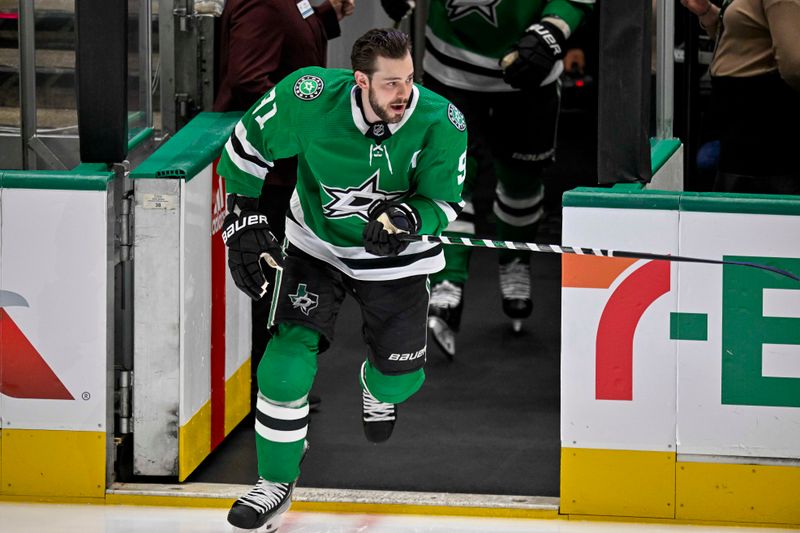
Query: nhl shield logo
(456, 117)
(308, 87)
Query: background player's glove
(250, 243)
(536, 59)
(398, 9)
(386, 220)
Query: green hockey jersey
(465, 39)
(315, 114)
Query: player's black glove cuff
(246, 233)
(538, 52)
(397, 9)
(386, 221)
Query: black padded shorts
(310, 292)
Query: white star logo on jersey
(485, 8)
(356, 201)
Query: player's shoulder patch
(456, 117)
(308, 87)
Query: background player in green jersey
(377, 156)
(499, 61)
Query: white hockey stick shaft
(556, 249)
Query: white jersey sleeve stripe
(449, 212)
(250, 151)
(243, 164)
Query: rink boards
(680, 382)
(56, 332)
(61, 242)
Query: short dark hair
(384, 42)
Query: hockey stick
(555, 249)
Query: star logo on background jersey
(356, 201)
(304, 300)
(485, 8)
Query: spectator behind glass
(261, 42)
(756, 90)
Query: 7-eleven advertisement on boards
(702, 360)
(618, 365)
(739, 338)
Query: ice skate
(444, 315)
(378, 417)
(515, 287)
(262, 508)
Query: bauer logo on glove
(240, 223)
(536, 59)
(250, 243)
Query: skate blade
(444, 336)
(271, 525)
(516, 325)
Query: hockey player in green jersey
(377, 156)
(499, 61)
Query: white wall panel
(54, 256)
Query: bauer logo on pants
(304, 300)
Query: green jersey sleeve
(441, 168)
(266, 132)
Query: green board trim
(634, 196)
(87, 179)
(660, 152)
(139, 138)
(763, 204)
(192, 149)
(621, 196)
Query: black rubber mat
(487, 422)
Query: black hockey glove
(386, 221)
(534, 57)
(398, 9)
(245, 231)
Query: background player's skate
(515, 286)
(444, 314)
